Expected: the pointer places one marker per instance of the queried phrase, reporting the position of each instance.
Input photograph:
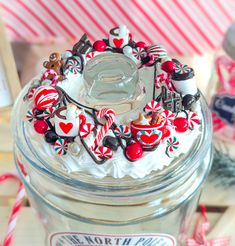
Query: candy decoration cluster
(71, 127)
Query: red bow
(200, 231)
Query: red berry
(99, 45)
(141, 44)
(181, 124)
(168, 66)
(165, 133)
(40, 126)
(134, 151)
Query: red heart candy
(118, 42)
(66, 127)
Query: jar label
(224, 107)
(87, 239)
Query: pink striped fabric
(182, 26)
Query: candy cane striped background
(183, 26)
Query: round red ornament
(40, 126)
(140, 44)
(168, 66)
(45, 97)
(181, 124)
(134, 151)
(99, 45)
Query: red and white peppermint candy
(138, 53)
(193, 119)
(86, 129)
(103, 152)
(73, 66)
(90, 55)
(156, 52)
(30, 115)
(61, 146)
(45, 97)
(153, 106)
(47, 113)
(168, 117)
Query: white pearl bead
(74, 149)
(127, 50)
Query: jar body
(92, 217)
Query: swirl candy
(156, 52)
(47, 113)
(86, 129)
(168, 117)
(139, 52)
(110, 116)
(122, 131)
(182, 69)
(30, 115)
(73, 66)
(90, 55)
(153, 106)
(193, 119)
(45, 97)
(172, 146)
(61, 146)
(103, 152)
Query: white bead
(127, 50)
(74, 149)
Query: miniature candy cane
(86, 129)
(73, 66)
(168, 117)
(103, 152)
(110, 114)
(139, 52)
(161, 78)
(156, 52)
(122, 131)
(53, 73)
(31, 93)
(61, 146)
(16, 208)
(153, 106)
(182, 69)
(172, 146)
(193, 119)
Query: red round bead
(168, 66)
(165, 133)
(134, 151)
(40, 126)
(181, 124)
(99, 45)
(141, 44)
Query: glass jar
(155, 210)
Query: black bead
(111, 142)
(50, 136)
(188, 101)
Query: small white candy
(66, 54)
(74, 149)
(46, 82)
(127, 50)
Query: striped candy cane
(110, 116)
(16, 208)
(53, 73)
